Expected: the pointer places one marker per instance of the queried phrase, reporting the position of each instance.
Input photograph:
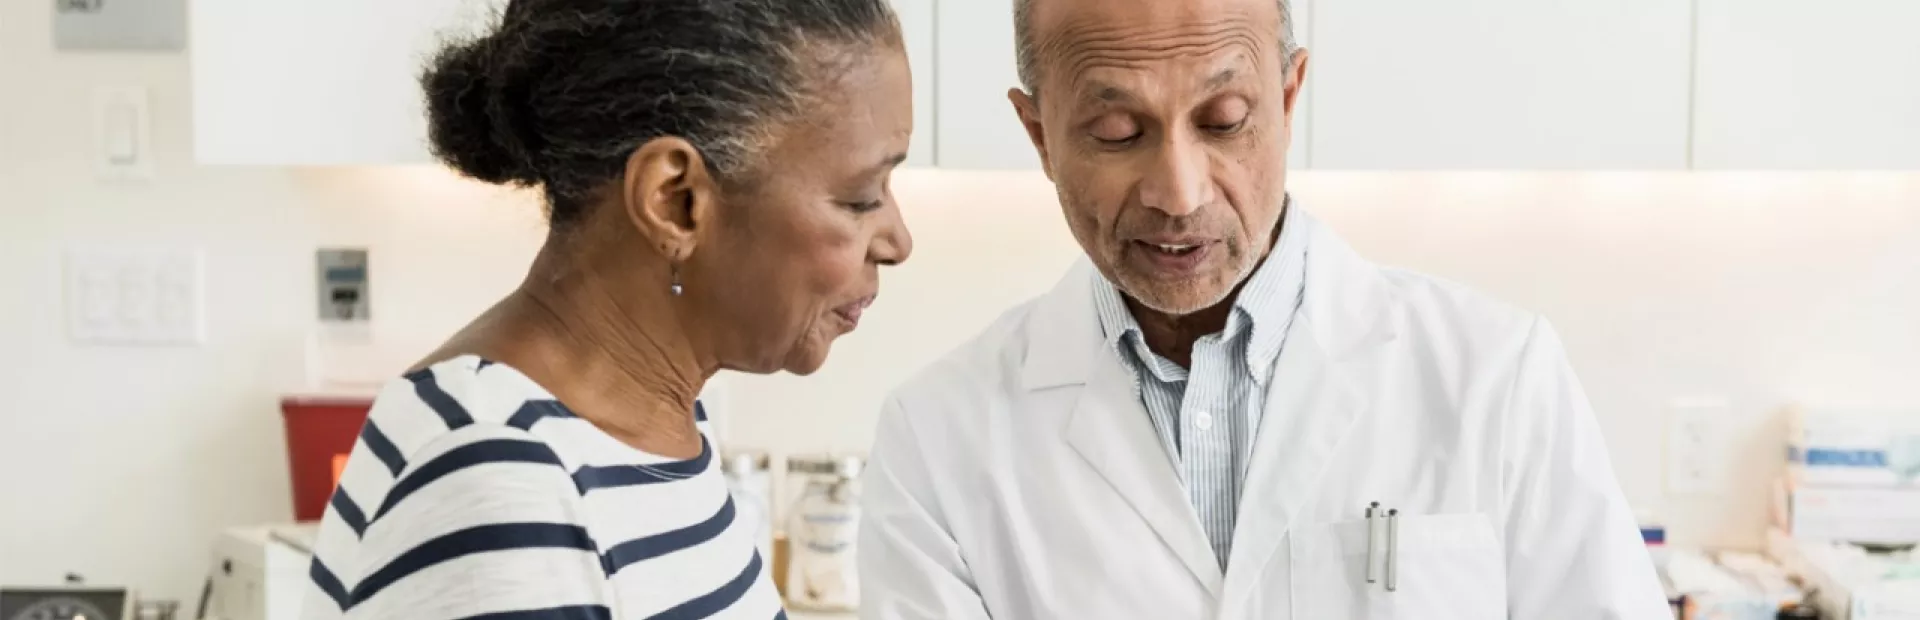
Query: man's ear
(668, 195)
(1296, 79)
(1028, 110)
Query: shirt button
(1203, 420)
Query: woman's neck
(618, 358)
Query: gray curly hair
(559, 93)
(1026, 54)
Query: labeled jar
(821, 530)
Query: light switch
(119, 296)
(122, 139)
(124, 149)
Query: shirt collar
(1264, 307)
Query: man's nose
(1179, 179)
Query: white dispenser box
(1854, 448)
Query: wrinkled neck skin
(1173, 337)
(599, 327)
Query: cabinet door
(916, 25)
(977, 126)
(312, 82)
(1501, 84)
(1791, 84)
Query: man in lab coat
(1224, 412)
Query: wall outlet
(135, 297)
(1697, 450)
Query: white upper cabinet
(1392, 84)
(917, 27)
(317, 82)
(1833, 84)
(336, 82)
(1501, 84)
(977, 125)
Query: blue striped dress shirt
(1207, 416)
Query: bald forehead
(1046, 13)
(1065, 33)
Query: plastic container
(750, 479)
(821, 529)
(321, 431)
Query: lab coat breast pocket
(1445, 567)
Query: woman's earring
(677, 289)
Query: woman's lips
(851, 312)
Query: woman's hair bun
(461, 128)
(557, 94)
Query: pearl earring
(677, 289)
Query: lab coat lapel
(1109, 428)
(1317, 393)
(1311, 406)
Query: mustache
(1151, 222)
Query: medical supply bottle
(821, 527)
(750, 480)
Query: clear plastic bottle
(750, 480)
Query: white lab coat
(1020, 477)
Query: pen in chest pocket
(1372, 572)
(1393, 550)
(1392, 517)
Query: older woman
(716, 172)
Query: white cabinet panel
(1501, 84)
(1808, 85)
(977, 126)
(290, 82)
(322, 82)
(917, 27)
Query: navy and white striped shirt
(1207, 418)
(473, 493)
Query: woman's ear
(668, 195)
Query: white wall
(1762, 289)
(122, 463)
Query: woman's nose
(894, 243)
